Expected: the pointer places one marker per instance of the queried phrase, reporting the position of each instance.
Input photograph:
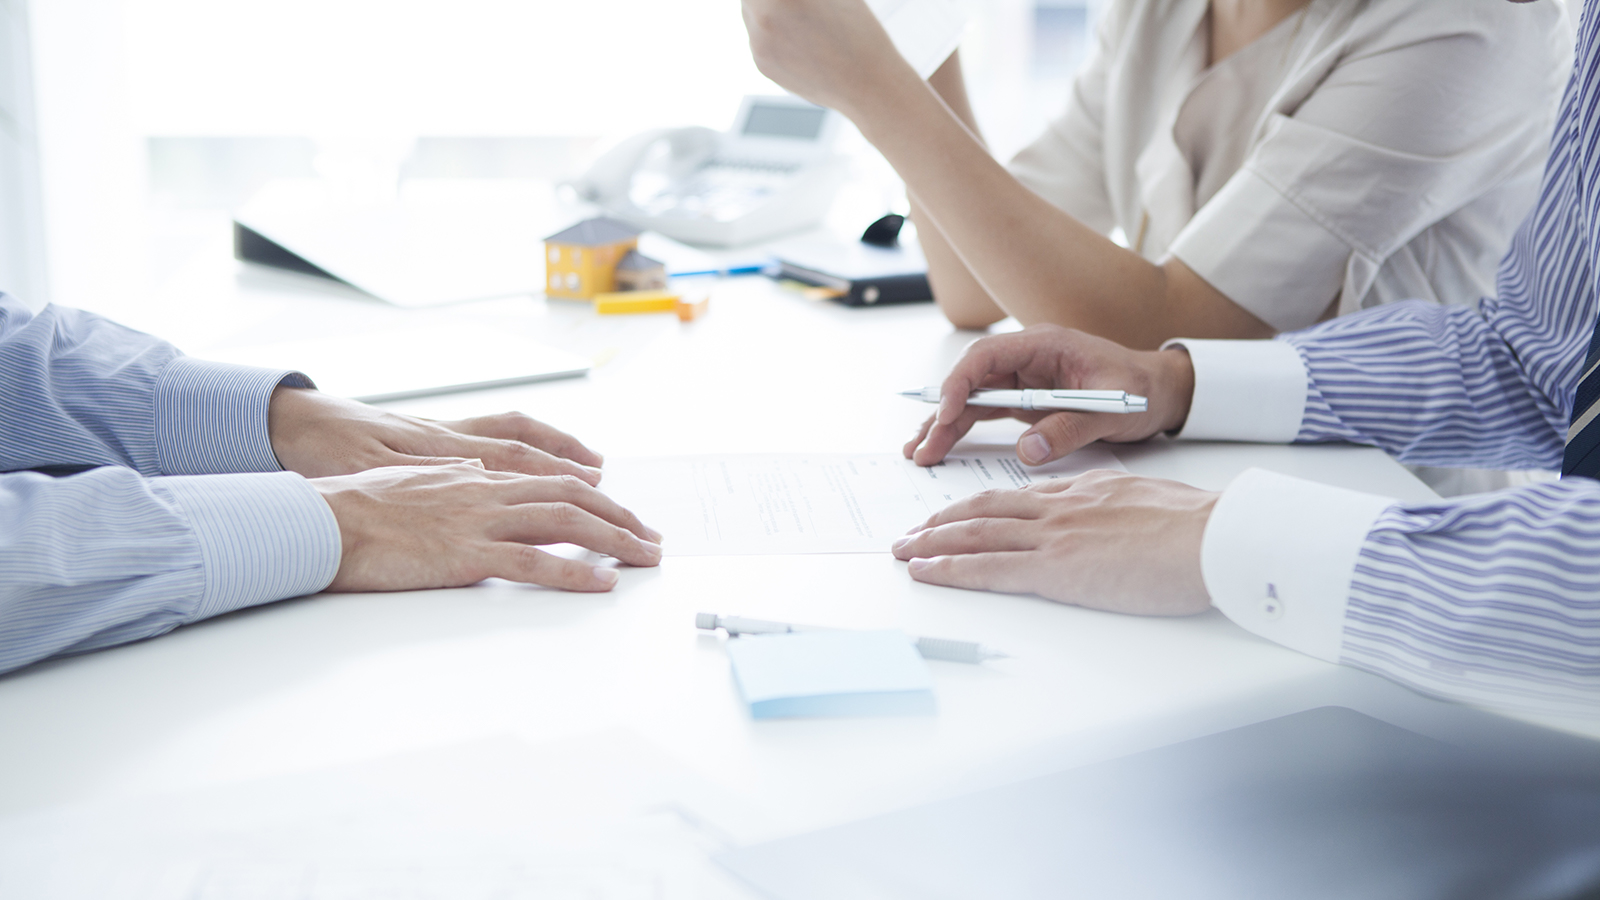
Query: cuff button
(1271, 606)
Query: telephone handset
(773, 172)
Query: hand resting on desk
(412, 527)
(316, 434)
(424, 504)
(1106, 540)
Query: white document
(811, 503)
(925, 32)
(433, 244)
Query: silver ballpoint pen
(930, 648)
(1077, 401)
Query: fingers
(516, 456)
(1061, 433)
(403, 460)
(940, 438)
(568, 489)
(994, 362)
(568, 523)
(985, 535)
(1007, 572)
(989, 504)
(530, 565)
(530, 431)
(910, 449)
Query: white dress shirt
(1364, 152)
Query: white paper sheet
(925, 32)
(811, 503)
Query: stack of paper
(831, 673)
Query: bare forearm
(960, 297)
(1037, 262)
(1021, 253)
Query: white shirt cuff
(262, 537)
(212, 417)
(1278, 555)
(1244, 391)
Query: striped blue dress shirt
(149, 533)
(1487, 597)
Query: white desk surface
(314, 682)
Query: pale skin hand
(414, 527)
(317, 435)
(1048, 356)
(986, 235)
(1106, 540)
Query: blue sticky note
(831, 673)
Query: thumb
(1056, 435)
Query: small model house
(581, 261)
(637, 272)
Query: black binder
(862, 274)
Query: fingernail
(1033, 449)
(653, 548)
(895, 547)
(945, 404)
(917, 528)
(918, 564)
(654, 535)
(605, 575)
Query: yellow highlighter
(635, 302)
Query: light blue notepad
(831, 673)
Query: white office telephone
(774, 171)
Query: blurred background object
(158, 117)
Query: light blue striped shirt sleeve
(109, 556)
(152, 536)
(81, 390)
(1493, 597)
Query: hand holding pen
(1048, 358)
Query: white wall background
(22, 256)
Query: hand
(413, 527)
(317, 435)
(831, 52)
(1049, 356)
(1105, 540)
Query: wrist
(1173, 391)
(892, 93)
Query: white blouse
(1362, 150)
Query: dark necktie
(1582, 456)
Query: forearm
(107, 556)
(80, 390)
(1490, 596)
(1431, 385)
(1037, 262)
(1484, 598)
(960, 297)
